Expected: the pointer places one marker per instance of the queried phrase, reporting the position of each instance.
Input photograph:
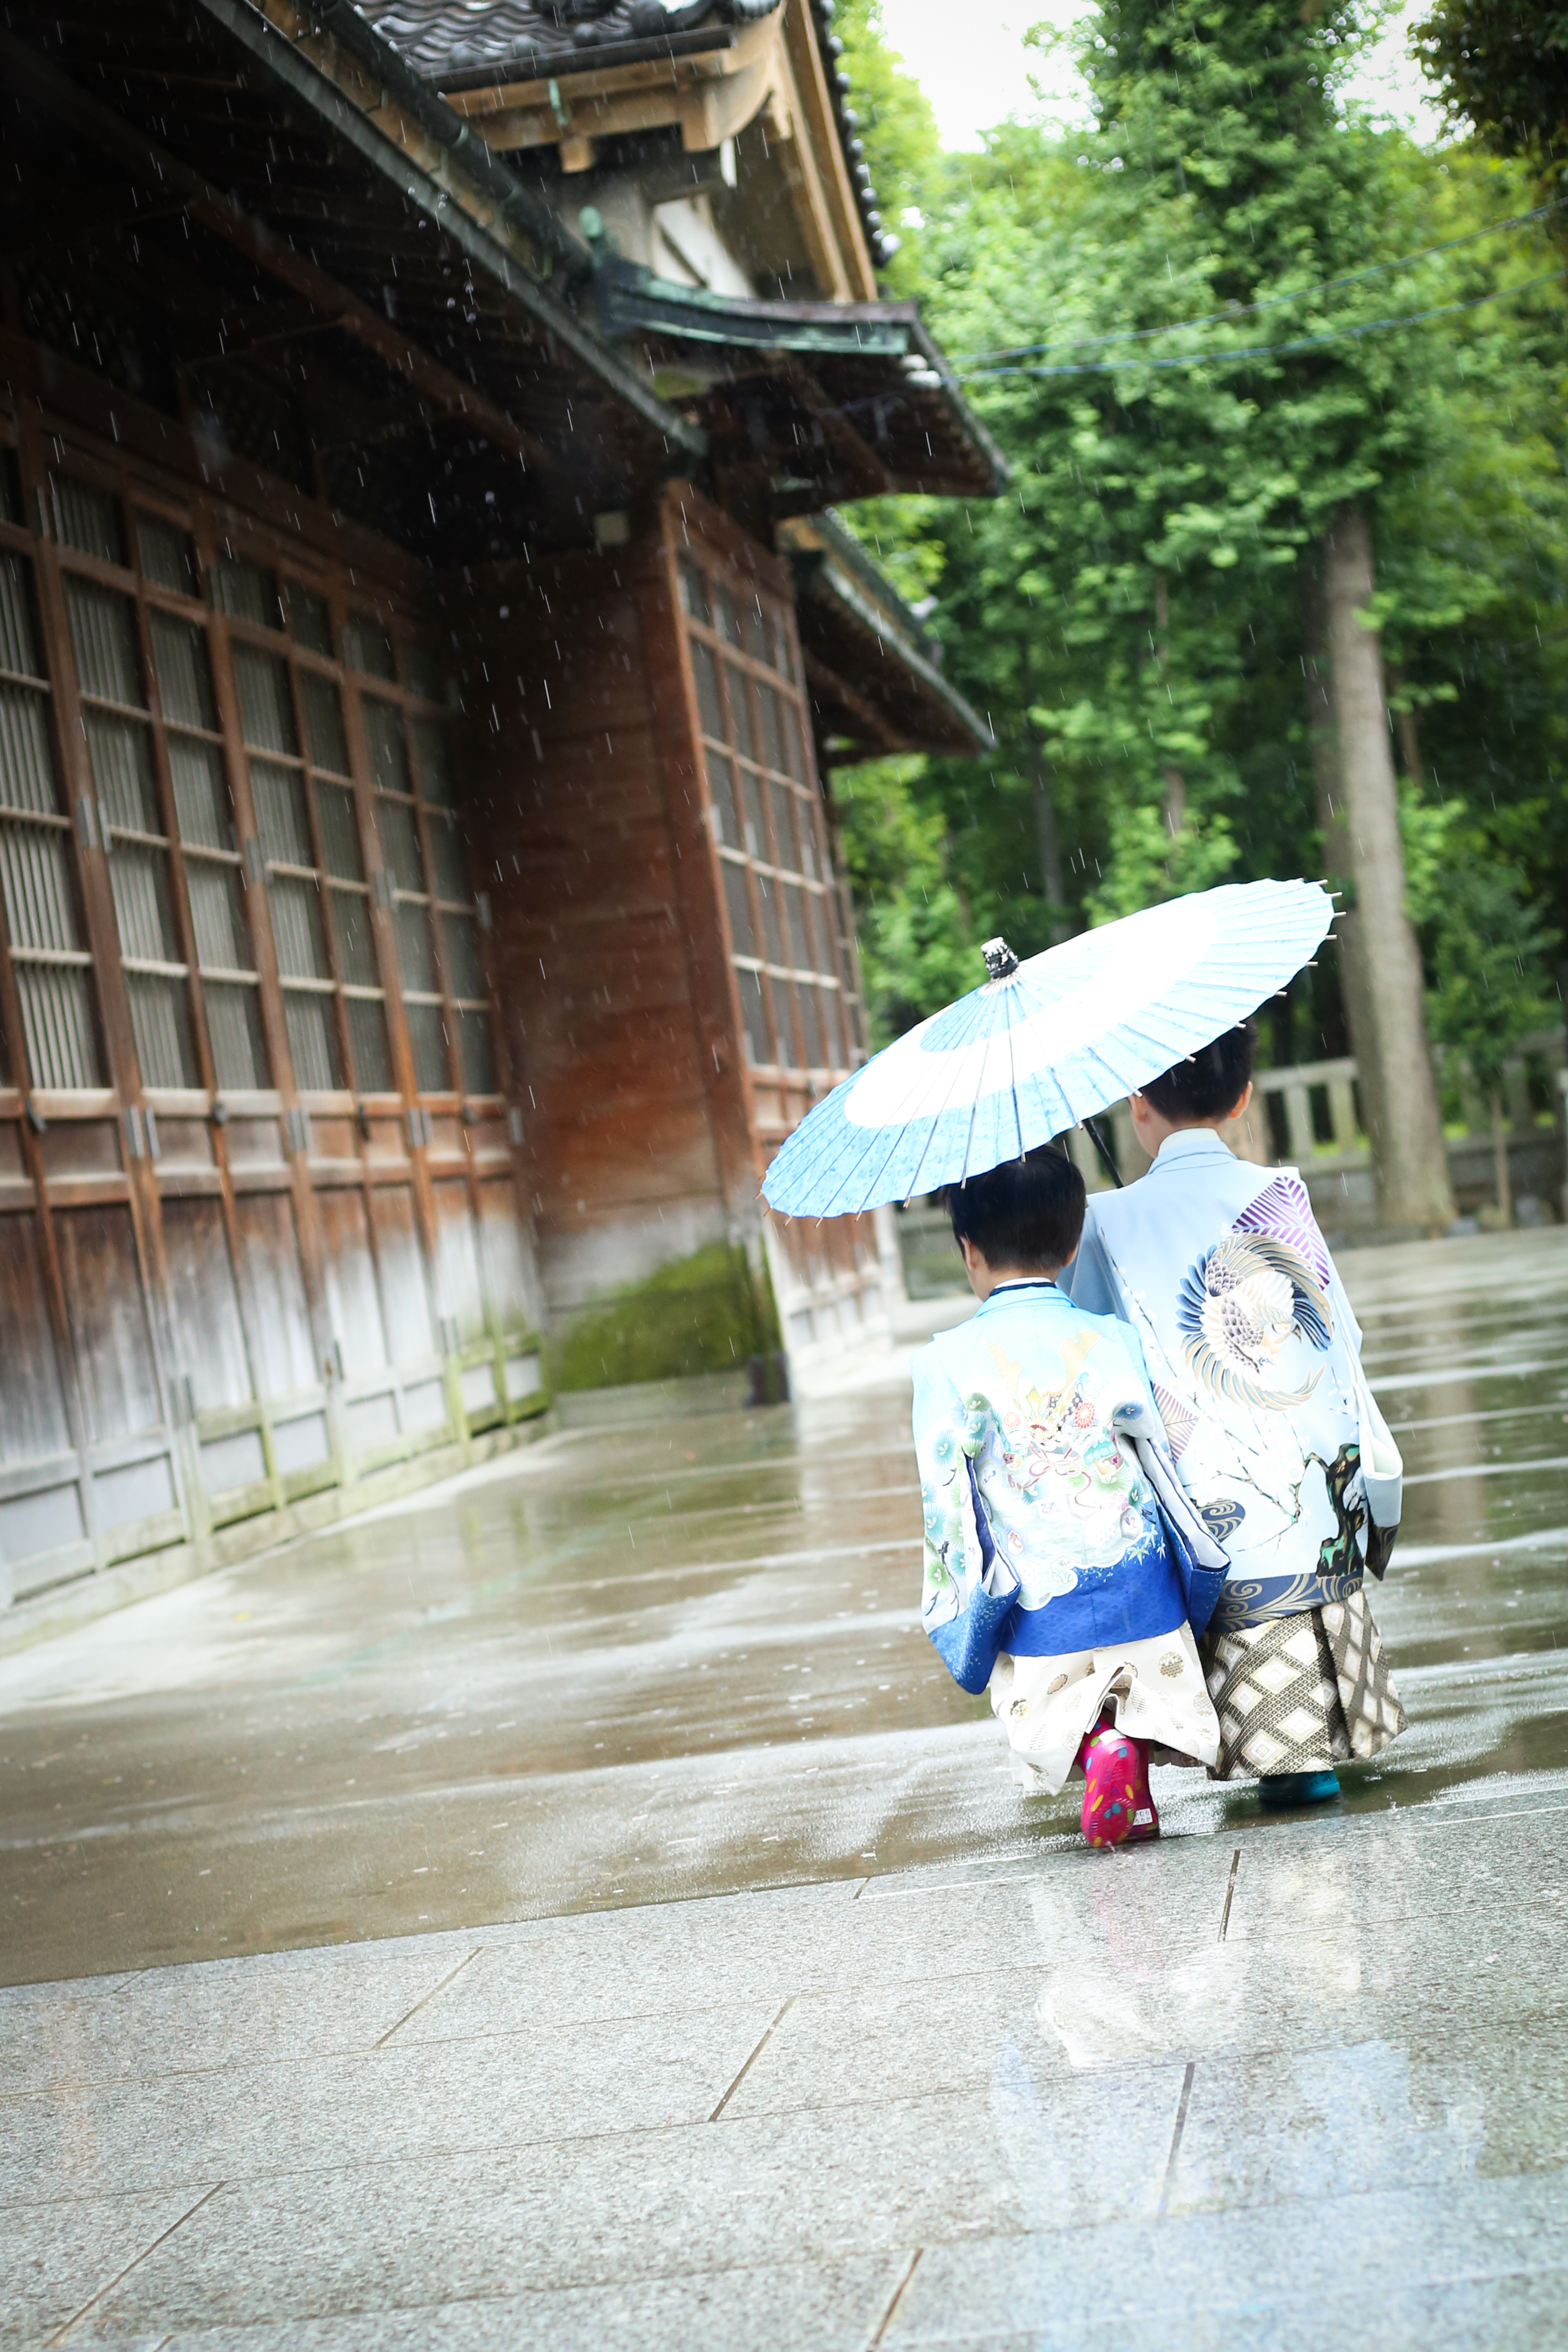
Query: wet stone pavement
(574, 1908)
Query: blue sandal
(1279, 1792)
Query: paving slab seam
(1114, 2072)
(1414, 1818)
(886, 2322)
(366, 2054)
(826, 1458)
(1514, 1663)
(163, 2238)
(1180, 2126)
(751, 2061)
(566, 2029)
(94, 1987)
(747, 1563)
(1487, 1468)
(626, 2279)
(1434, 1555)
(762, 2124)
(1437, 1813)
(202, 2332)
(1530, 1413)
(450, 1978)
(1025, 1875)
(1139, 2248)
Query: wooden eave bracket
(712, 95)
(589, 97)
(450, 198)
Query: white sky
(983, 77)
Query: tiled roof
(456, 41)
(465, 43)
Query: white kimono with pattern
(1254, 1355)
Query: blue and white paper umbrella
(1045, 1044)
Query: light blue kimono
(1254, 1354)
(1054, 1521)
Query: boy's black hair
(1208, 1085)
(1027, 1212)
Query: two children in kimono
(1154, 1475)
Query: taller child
(1254, 1354)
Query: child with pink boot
(1065, 1570)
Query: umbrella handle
(1107, 1158)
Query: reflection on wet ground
(615, 1934)
(664, 1661)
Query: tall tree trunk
(1499, 1161)
(1049, 846)
(1354, 990)
(1407, 1130)
(1172, 778)
(1409, 739)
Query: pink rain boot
(1118, 1807)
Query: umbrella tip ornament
(1000, 962)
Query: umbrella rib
(1013, 1083)
(1262, 944)
(858, 1162)
(974, 1107)
(970, 1130)
(892, 1149)
(984, 1039)
(839, 1188)
(860, 1157)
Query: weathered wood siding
(597, 916)
(678, 965)
(260, 1237)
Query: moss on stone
(705, 1312)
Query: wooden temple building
(426, 640)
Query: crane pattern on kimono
(1239, 1304)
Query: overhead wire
(1269, 351)
(1268, 301)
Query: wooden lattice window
(794, 970)
(437, 917)
(52, 965)
(287, 821)
(205, 831)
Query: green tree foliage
(1145, 316)
(916, 940)
(898, 130)
(1503, 65)
(1489, 951)
(1490, 956)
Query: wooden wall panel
(595, 969)
(108, 1322)
(272, 1293)
(171, 1312)
(353, 1297)
(35, 1423)
(459, 1289)
(204, 1304)
(406, 1294)
(507, 1272)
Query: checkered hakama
(1295, 1694)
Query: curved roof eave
(454, 208)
